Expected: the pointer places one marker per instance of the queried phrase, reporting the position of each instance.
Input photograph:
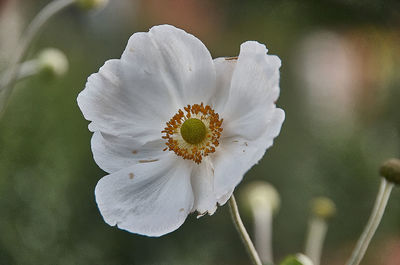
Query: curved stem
(242, 231)
(34, 27)
(373, 222)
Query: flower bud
(53, 62)
(91, 4)
(323, 207)
(261, 194)
(390, 170)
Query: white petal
(159, 72)
(224, 67)
(180, 60)
(116, 105)
(203, 188)
(225, 197)
(236, 155)
(253, 92)
(113, 153)
(150, 199)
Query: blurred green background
(340, 89)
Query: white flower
(176, 129)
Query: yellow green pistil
(193, 131)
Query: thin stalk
(27, 69)
(9, 78)
(263, 233)
(373, 222)
(315, 239)
(242, 232)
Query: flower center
(195, 134)
(193, 131)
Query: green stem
(373, 222)
(242, 231)
(9, 78)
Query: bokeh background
(340, 89)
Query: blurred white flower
(347, 76)
(329, 69)
(176, 129)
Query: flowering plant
(175, 129)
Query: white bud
(52, 61)
(262, 195)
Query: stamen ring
(193, 135)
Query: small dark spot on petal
(131, 175)
(134, 152)
(148, 161)
(246, 144)
(244, 150)
(235, 141)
